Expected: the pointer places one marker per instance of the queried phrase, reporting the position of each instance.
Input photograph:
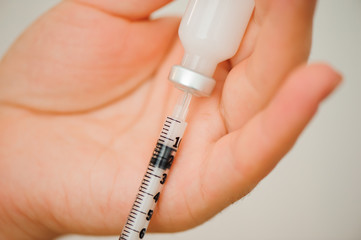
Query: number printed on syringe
(154, 179)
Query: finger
(241, 159)
(283, 42)
(76, 58)
(248, 42)
(132, 9)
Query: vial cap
(191, 81)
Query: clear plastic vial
(210, 32)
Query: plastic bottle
(210, 32)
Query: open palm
(84, 92)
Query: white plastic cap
(191, 81)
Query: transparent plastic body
(157, 171)
(211, 32)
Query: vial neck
(199, 64)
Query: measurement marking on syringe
(150, 168)
(174, 119)
(134, 214)
(136, 205)
(129, 228)
(168, 138)
(140, 211)
(147, 193)
(132, 229)
(153, 174)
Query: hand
(84, 92)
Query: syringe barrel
(211, 32)
(154, 179)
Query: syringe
(210, 32)
(157, 171)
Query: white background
(315, 192)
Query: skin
(83, 94)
